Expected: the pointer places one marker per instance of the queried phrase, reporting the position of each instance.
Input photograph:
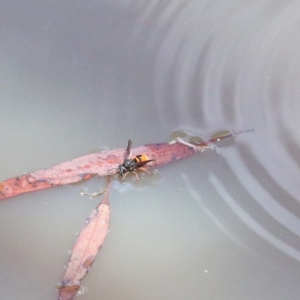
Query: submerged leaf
(86, 248)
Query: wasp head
(122, 169)
(128, 164)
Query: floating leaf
(88, 166)
(100, 164)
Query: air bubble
(178, 133)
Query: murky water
(78, 76)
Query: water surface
(79, 76)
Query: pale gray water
(83, 75)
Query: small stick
(95, 194)
(208, 144)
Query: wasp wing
(128, 151)
(142, 163)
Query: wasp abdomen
(141, 158)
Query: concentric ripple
(236, 65)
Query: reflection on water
(223, 224)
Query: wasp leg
(112, 174)
(136, 176)
(124, 176)
(145, 170)
(135, 173)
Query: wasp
(132, 164)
